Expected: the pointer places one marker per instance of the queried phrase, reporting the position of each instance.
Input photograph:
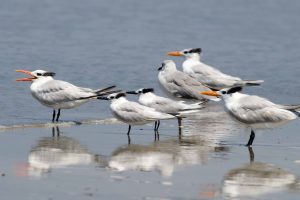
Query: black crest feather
(233, 90)
(145, 90)
(196, 50)
(49, 74)
(121, 94)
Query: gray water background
(96, 43)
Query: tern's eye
(39, 74)
(223, 92)
(185, 52)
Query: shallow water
(99, 43)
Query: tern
(208, 75)
(133, 113)
(58, 94)
(180, 85)
(255, 111)
(165, 105)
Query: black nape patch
(145, 90)
(196, 50)
(49, 74)
(161, 67)
(122, 94)
(233, 90)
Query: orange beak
(175, 53)
(26, 79)
(210, 93)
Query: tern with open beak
(208, 75)
(58, 94)
(255, 111)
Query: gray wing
(263, 115)
(219, 82)
(254, 109)
(56, 91)
(214, 78)
(132, 112)
(166, 105)
(208, 71)
(188, 86)
(290, 107)
(252, 102)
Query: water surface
(98, 43)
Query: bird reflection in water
(212, 124)
(256, 179)
(164, 156)
(58, 152)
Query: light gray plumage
(148, 98)
(258, 112)
(134, 113)
(178, 84)
(59, 94)
(255, 111)
(208, 75)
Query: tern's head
(141, 91)
(113, 96)
(191, 53)
(36, 75)
(222, 93)
(167, 65)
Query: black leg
(179, 136)
(128, 136)
(53, 132)
(53, 116)
(58, 115)
(129, 128)
(251, 139)
(179, 121)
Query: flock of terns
(197, 84)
